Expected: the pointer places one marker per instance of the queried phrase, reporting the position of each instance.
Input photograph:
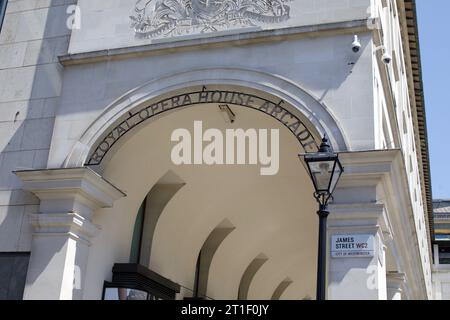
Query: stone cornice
(82, 184)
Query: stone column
(63, 229)
(362, 276)
(395, 282)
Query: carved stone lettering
(275, 110)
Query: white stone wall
(32, 37)
(45, 108)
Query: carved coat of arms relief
(165, 18)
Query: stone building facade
(92, 90)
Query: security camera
(356, 44)
(386, 58)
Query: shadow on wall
(31, 79)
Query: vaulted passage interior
(221, 231)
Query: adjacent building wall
(108, 25)
(45, 107)
(394, 117)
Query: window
(2, 11)
(136, 282)
(444, 255)
(405, 123)
(13, 274)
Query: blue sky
(434, 32)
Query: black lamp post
(325, 169)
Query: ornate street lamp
(132, 281)
(325, 169)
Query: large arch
(317, 117)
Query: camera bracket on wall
(136, 282)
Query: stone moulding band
(274, 109)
